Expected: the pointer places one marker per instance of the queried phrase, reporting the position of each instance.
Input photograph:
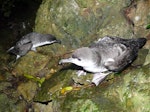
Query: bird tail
(12, 50)
(140, 42)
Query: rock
(138, 13)
(133, 90)
(11, 104)
(147, 60)
(128, 91)
(38, 107)
(5, 85)
(52, 86)
(78, 23)
(27, 90)
(30, 64)
(141, 59)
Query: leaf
(148, 26)
(28, 76)
(40, 81)
(66, 89)
(37, 79)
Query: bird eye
(79, 59)
(73, 56)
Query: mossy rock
(128, 91)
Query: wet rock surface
(37, 83)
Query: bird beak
(69, 60)
(58, 41)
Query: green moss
(8, 104)
(129, 93)
(31, 64)
(133, 92)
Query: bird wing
(122, 57)
(26, 47)
(108, 40)
(23, 41)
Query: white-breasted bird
(30, 42)
(108, 54)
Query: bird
(107, 55)
(31, 41)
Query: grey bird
(107, 55)
(30, 42)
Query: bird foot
(34, 49)
(99, 77)
(80, 73)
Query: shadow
(70, 67)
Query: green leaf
(36, 79)
(28, 76)
(148, 26)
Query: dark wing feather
(108, 40)
(122, 51)
(126, 55)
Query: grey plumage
(108, 54)
(30, 42)
(20, 50)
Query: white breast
(95, 69)
(42, 43)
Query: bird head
(53, 39)
(82, 57)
